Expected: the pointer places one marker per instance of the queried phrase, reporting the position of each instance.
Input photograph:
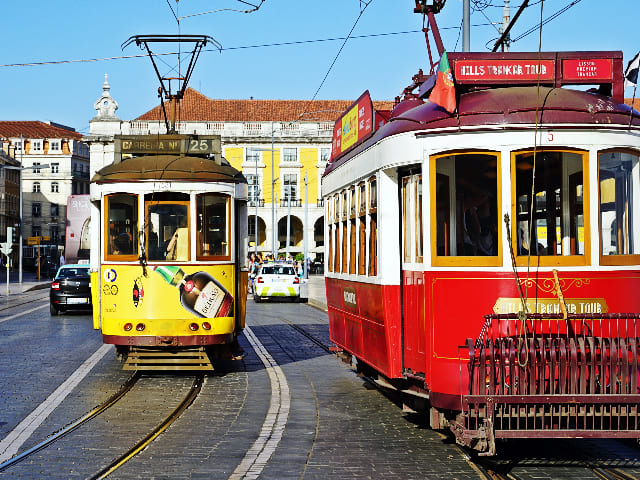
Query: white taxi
(276, 280)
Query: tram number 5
(550, 137)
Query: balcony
(294, 202)
(256, 202)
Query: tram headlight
(128, 327)
(193, 327)
(206, 325)
(140, 327)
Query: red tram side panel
(443, 309)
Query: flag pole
(633, 100)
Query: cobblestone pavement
(337, 425)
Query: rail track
(110, 402)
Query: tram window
(343, 236)
(213, 213)
(373, 227)
(362, 198)
(122, 226)
(167, 230)
(373, 245)
(362, 246)
(553, 225)
(352, 246)
(330, 256)
(412, 217)
(466, 201)
(619, 182)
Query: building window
(36, 187)
(324, 154)
(55, 209)
(36, 167)
(54, 187)
(55, 236)
(290, 155)
(254, 188)
(55, 168)
(36, 209)
(36, 230)
(54, 145)
(36, 145)
(253, 155)
(290, 186)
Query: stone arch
(296, 233)
(262, 231)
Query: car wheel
(53, 310)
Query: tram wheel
(257, 299)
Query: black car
(70, 289)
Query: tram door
(413, 288)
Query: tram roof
(507, 107)
(169, 167)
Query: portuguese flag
(444, 92)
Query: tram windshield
(213, 213)
(122, 225)
(553, 223)
(619, 178)
(167, 225)
(467, 205)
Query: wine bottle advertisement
(169, 293)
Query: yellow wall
(309, 160)
(268, 158)
(234, 157)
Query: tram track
(126, 387)
(22, 300)
(100, 409)
(161, 427)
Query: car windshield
(277, 270)
(73, 272)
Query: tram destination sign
(170, 144)
(528, 68)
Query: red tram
(477, 259)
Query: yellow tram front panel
(170, 301)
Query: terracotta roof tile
(35, 129)
(197, 107)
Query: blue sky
(379, 57)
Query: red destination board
(587, 69)
(503, 70)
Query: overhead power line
(241, 47)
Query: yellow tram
(169, 279)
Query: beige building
(281, 146)
(54, 164)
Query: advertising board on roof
(353, 126)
